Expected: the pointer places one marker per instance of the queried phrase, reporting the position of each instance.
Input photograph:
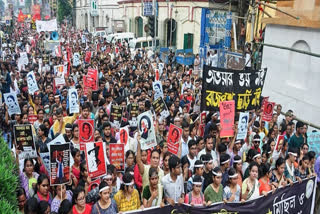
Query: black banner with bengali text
(298, 199)
(244, 87)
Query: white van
(100, 34)
(113, 38)
(143, 42)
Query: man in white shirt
(208, 149)
(214, 59)
(173, 184)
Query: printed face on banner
(11, 101)
(95, 157)
(76, 59)
(73, 101)
(32, 83)
(117, 155)
(124, 135)
(227, 118)
(59, 164)
(146, 130)
(86, 130)
(243, 125)
(203, 116)
(173, 140)
(157, 87)
(280, 139)
(268, 111)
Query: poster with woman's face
(11, 101)
(146, 130)
(174, 137)
(86, 130)
(95, 156)
(268, 111)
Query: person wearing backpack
(195, 197)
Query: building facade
(179, 21)
(108, 16)
(293, 78)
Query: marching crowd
(207, 169)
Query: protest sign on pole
(160, 108)
(243, 125)
(133, 114)
(59, 164)
(46, 26)
(174, 138)
(279, 139)
(86, 132)
(32, 83)
(96, 160)
(314, 142)
(244, 87)
(90, 80)
(87, 58)
(116, 157)
(11, 101)
(203, 116)
(115, 115)
(157, 87)
(268, 111)
(24, 58)
(76, 59)
(146, 130)
(73, 101)
(25, 141)
(124, 135)
(227, 118)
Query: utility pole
(253, 18)
(154, 8)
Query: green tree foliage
(8, 179)
(64, 10)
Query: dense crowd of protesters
(208, 168)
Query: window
(145, 44)
(138, 45)
(150, 43)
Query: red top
(76, 172)
(264, 186)
(137, 177)
(87, 210)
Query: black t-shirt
(207, 179)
